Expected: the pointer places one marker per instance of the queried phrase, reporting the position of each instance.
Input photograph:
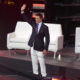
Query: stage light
(11, 3)
(55, 79)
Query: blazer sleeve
(27, 18)
(47, 38)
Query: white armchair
(20, 37)
(77, 40)
(56, 37)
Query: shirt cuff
(22, 12)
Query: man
(38, 46)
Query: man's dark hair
(40, 15)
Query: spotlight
(53, 78)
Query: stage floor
(68, 62)
(68, 57)
(12, 77)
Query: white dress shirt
(39, 26)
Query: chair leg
(14, 51)
(27, 53)
(9, 51)
(59, 57)
(54, 57)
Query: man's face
(38, 19)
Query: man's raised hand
(23, 7)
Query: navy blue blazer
(37, 40)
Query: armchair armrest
(11, 35)
(57, 43)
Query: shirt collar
(40, 23)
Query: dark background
(65, 12)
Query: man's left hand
(44, 52)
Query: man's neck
(39, 23)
